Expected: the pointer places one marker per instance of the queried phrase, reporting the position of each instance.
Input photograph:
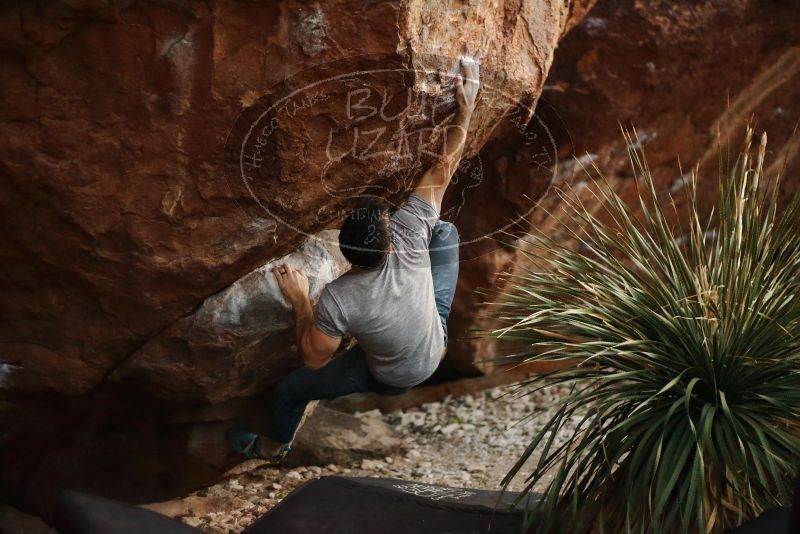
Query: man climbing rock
(395, 300)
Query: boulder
(332, 437)
(152, 154)
(238, 341)
(155, 157)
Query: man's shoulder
(345, 294)
(342, 286)
(418, 208)
(412, 225)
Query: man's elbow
(315, 361)
(315, 364)
(316, 352)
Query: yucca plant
(686, 395)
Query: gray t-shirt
(391, 310)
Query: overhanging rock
(239, 340)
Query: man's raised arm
(435, 181)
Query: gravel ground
(469, 442)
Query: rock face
(685, 75)
(155, 156)
(693, 75)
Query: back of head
(365, 235)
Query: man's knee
(444, 244)
(446, 232)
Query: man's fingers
(281, 272)
(473, 74)
(471, 70)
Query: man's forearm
(455, 139)
(434, 182)
(304, 321)
(436, 179)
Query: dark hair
(365, 236)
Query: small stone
(449, 429)
(433, 407)
(476, 468)
(388, 460)
(192, 521)
(294, 475)
(276, 486)
(368, 465)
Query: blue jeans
(348, 372)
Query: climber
(395, 300)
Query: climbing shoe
(248, 445)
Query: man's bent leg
(443, 251)
(344, 374)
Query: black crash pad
(79, 513)
(772, 521)
(345, 505)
